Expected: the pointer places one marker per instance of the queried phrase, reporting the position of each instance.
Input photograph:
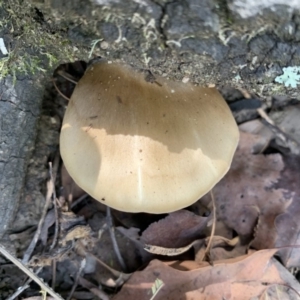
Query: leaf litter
(178, 256)
(254, 276)
(258, 205)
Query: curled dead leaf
(247, 277)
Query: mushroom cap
(145, 146)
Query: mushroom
(140, 145)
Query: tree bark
(20, 107)
(237, 43)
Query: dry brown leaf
(171, 251)
(67, 220)
(221, 248)
(263, 134)
(247, 198)
(287, 224)
(259, 199)
(186, 265)
(288, 122)
(255, 275)
(177, 230)
(77, 232)
(57, 254)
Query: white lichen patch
(290, 77)
(250, 8)
(2, 47)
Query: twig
(67, 76)
(39, 298)
(27, 254)
(244, 93)
(28, 272)
(82, 265)
(54, 199)
(93, 289)
(50, 192)
(263, 114)
(58, 90)
(77, 201)
(207, 250)
(111, 229)
(80, 250)
(21, 289)
(289, 142)
(53, 273)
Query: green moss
(36, 47)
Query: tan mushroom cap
(141, 146)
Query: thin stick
(24, 287)
(111, 229)
(65, 76)
(27, 254)
(30, 249)
(50, 191)
(207, 250)
(57, 89)
(289, 142)
(19, 290)
(244, 93)
(82, 265)
(28, 272)
(39, 298)
(53, 274)
(263, 114)
(77, 201)
(93, 289)
(80, 250)
(54, 199)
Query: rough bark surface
(238, 43)
(24, 74)
(20, 107)
(235, 43)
